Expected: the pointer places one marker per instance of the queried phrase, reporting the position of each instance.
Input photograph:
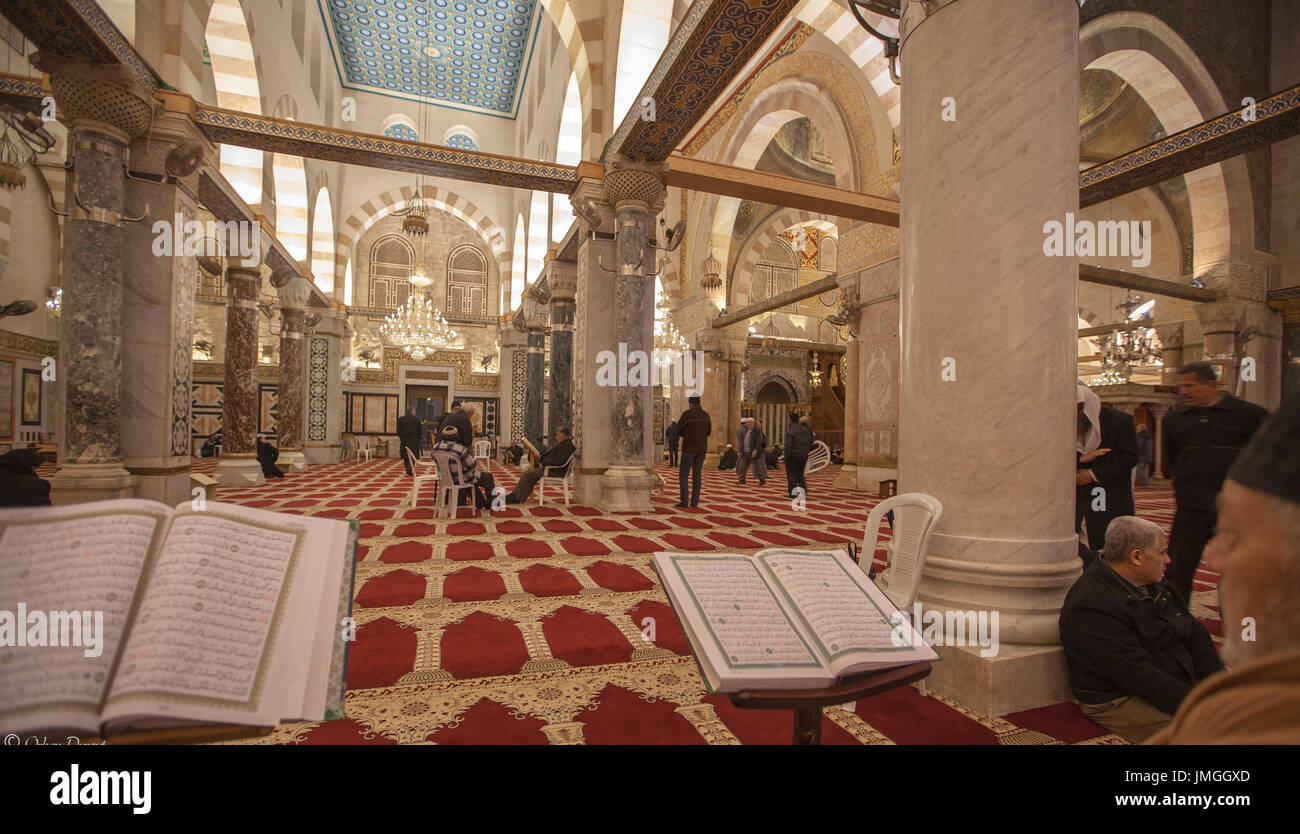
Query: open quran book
(130, 617)
(784, 619)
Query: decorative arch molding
(756, 245)
(796, 392)
(581, 24)
(382, 205)
(1162, 68)
(812, 84)
(867, 54)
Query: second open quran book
(784, 619)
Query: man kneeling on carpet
(468, 472)
(555, 463)
(1132, 648)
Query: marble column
(158, 303)
(514, 371)
(976, 195)
(328, 370)
(878, 374)
(636, 191)
(294, 296)
(534, 313)
(849, 306)
(1289, 306)
(238, 463)
(563, 281)
(104, 108)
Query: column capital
(627, 181)
(562, 279)
(294, 294)
(1224, 316)
(105, 97)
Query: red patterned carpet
(526, 626)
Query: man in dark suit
(19, 484)
(671, 436)
(1106, 451)
(554, 463)
(459, 418)
(408, 434)
(267, 455)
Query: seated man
(1132, 648)
(267, 455)
(729, 458)
(774, 456)
(449, 441)
(20, 486)
(554, 463)
(516, 454)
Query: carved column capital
(106, 96)
(637, 182)
(295, 294)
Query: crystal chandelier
(418, 328)
(667, 338)
(54, 304)
(1134, 344)
(1111, 377)
(815, 377)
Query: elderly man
(1132, 648)
(1257, 550)
(468, 471)
(460, 417)
(555, 463)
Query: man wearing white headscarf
(1106, 449)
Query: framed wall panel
(8, 369)
(31, 397)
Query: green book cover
(339, 659)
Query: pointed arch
(235, 74)
(290, 204)
(757, 244)
(322, 241)
(517, 263)
(643, 34)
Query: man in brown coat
(1256, 548)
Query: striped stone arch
(1159, 65)
(382, 205)
(767, 232)
(581, 24)
(868, 54)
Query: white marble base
(315, 455)
(848, 477)
(239, 471)
(869, 477)
(626, 489)
(81, 483)
(166, 489)
(296, 459)
(1020, 677)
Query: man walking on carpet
(408, 433)
(694, 428)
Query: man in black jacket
(459, 418)
(798, 443)
(1132, 648)
(19, 484)
(670, 435)
(694, 428)
(555, 463)
(267, 455)
(1106, 452)
(1202, 437)
(408, 434)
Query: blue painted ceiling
(476, 52)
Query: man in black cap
(1257, 550)
(408, 433)
(19, 484)
(1201, 438)
(798, 444)
(460, 419)
(555, 463)
(694, 428)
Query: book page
(83, 562)
(738, 622)
(325, 629)
(212, 620)
(830, 597)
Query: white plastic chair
(563, 482)
(915, 515)
(483, 452)
(448, 489)
(365, 446)
(818, 459)
(429, 474)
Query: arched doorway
(772, 409)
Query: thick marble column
(976, 195)
(636, 192)
(293, 360)
(238, 463)
(592, 335)
(329, 370)
(158, 304)
(534, 313)
(849, 306)
(563, 281)
(878, 374)
(104, 108)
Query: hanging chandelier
(54, 304)
(712, 273)
(418, 328)
(1134, 344)
(415, 214)
(668, 339)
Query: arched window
(537, 229)
(466, 282)
(517, 265)
(462, 141)
(776, 272)
(392, 260)
(322, 242)
(235, 75)
(401, 130)
(291, 204)
(828, 257)
(568, 151)
(642, 38)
